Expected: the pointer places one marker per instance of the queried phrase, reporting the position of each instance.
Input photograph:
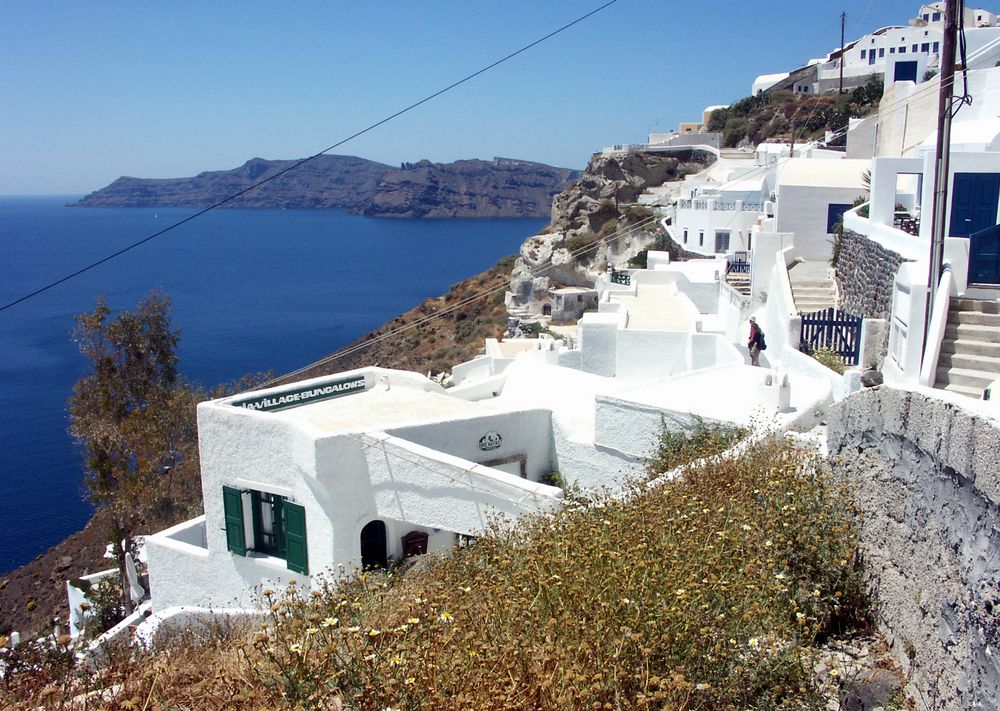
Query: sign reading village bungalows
(284, 399)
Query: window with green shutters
(279, 527)
(295, 538)
(232, 501)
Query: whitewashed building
(811, 196)
(898, 216)
(356, 469)
(370, 466)
(903, 52)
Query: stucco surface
(926, 476)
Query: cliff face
(594, 222)
(468, 188)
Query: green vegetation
(771, 115)
(131, 416)
(584, 245)
(677, 447)
(828, 357)
(708, 591)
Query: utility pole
(843, 19)
(942, 155)
(791, 143)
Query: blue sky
(92, 91)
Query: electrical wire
(881, 111)
(303, 161)
(541, 271)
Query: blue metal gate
(834, 329)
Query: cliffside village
(373, 465)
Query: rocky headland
(502, 187)
(595, 221)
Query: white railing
(737, 206)
(936, 328)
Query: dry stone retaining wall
(865, 273)
(927, 477)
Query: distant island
(502, 187)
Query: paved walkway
(658, 308)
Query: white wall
(736, 222)
(734, 310)
(343, 481)
(654, 355)
(634, 429)
(527, 433)
(598, 342)
(412, 483)
(803, 211)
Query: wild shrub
(829, 357)
(705, 592)
(677, 447)
(582, 245)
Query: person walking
(756, 342)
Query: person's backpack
(760, 340)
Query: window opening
(268, 523)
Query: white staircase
(970, 351)
(739, 281)
(813, 287)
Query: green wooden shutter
(232, 502)
(295, 538)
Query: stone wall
(865, 273)
(926, 478)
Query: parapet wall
(927, 477)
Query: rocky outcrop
(595, 223)
(469, 188)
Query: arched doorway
(373, 551)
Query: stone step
(980, 318)
(808, 307)
(813, 289)
(976, 393)
(977, 348)
(967, 377)
(971, 332)
(989, 307)
(970, 361)
(811, 284)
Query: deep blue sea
(252, 290)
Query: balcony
(712, 204)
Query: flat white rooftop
(392, 399)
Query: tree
(130, 415)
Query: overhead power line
(302, 162)
(489, 291)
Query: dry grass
(706, 592)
